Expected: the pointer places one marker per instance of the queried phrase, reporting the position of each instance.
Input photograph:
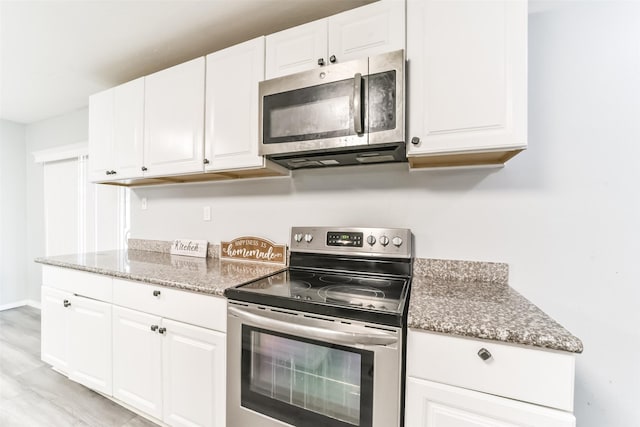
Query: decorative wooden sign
(253, 249)
(196, 248)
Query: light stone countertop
(464, 298)
(208, 276)
(473, 299)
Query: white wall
(62, 130)
(564, 214)
(12, 208)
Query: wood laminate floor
(34, 395)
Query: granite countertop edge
(545, 332)
(216, 291)
(503, 335)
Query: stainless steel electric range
(322, 343)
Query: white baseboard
(21, 303)
(34, 303)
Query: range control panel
(336, 238)
(381, 242)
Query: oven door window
(306, 382)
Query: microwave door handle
(339, 337)
(356, 106)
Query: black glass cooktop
(376, 298)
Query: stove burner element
(335, 279)
(350, 294)
(375, 283)
(297, 275)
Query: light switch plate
(206, 213)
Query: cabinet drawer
(538, 376)
(89, 285)
(198, 309)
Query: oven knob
(371, 306)
(397, 241)
(371, 240)
(297, 237)
(384, 240)
(308, 238)
(298, 297)
(308, 298)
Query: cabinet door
(128, 129)
(137, 352)
(174, 120)
(90, 343)
(467, 75)
(194, 367)
(430, 404)
(54, 329)
(296, 49)
(101, 148)
(367, 30)
(231, 133)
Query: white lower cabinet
(161, 351)
(76, 337)
(90, 343)
(431, 404)
(54, 330)
(193, 375)
(454, 381)
(170, 370)
(137, 360)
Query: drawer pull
(484, 354)
(66, 303)
(156, 293)
(162, 330)
(154, 328)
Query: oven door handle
(338, 337)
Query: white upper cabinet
(231, 133)
(174, 120)
(368, 30)
(101, 152)
(128, 118)
(115, 132)
(467, 81)
(296, 49)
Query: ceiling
(54, 54)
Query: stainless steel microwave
(343, 114)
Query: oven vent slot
(318, 318)
(274, 310)
(380, 328)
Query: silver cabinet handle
(340, 337)
(154, 328)
(66, 303)
(162, 330)
(357, 103)
(156, 293)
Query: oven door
(287, 369)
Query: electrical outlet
(143, 203)
(206, 213)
